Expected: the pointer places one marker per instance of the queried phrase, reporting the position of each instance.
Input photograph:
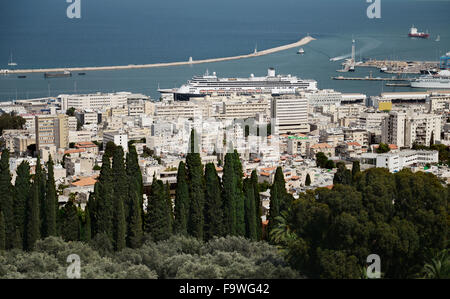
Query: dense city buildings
(264, 146)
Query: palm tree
(437, 267)
(282, 235)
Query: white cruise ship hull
(431, 83)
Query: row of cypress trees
(115, 208)
(206, 206)
(29, 209)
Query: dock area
(401, 67)
(299, 43)
(371, 78)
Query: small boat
(438, 39)
(21, 76)
(11, 62)
(301, 51)
(81, 74)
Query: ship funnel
(271, 72)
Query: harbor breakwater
(300, 43)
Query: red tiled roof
(85, 144)
(85, 182)
(74, 151)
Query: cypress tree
(71, 222)
(181, 201)
(120, 178)
(6, 200)
(121, 202)
(279, 199)
(110, 147)
(2, 232)
(250, 211)
(22, 192)
(240, 197)
(33, 214)
(274, 210)
(229, 195)
(258, 208)
(135, 233)
(92, 207)
(51, 202)
(87, 225)
(120, 226)
(169, 206)
(196, 190)
(135, 199)
(103, 196)
(158, 215)
(213, 203)
(39, 178)
(134, 171)
(308, 180)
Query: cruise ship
(441, 80)
(207, 84)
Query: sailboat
(11, 62)
(438, 39)
(301, 51)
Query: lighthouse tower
(353, 51)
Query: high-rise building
(290, 114)
(52, 130)
(405, 129)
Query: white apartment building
(397, 161)
(244, 109)
(372, 120)
(176, 110)
(72, 123)
(96, 101)
(324, 97)
(438, 103)
(349, 111)
(300, 145)
(290, 114)
(405, 128)
(357, 135)
(80, 136)
(117, 137)
(29, 122)
(87, 117)
(140, 107)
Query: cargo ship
(58, 74)
(413, 32)
(201, 86)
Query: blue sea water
(116, 32)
